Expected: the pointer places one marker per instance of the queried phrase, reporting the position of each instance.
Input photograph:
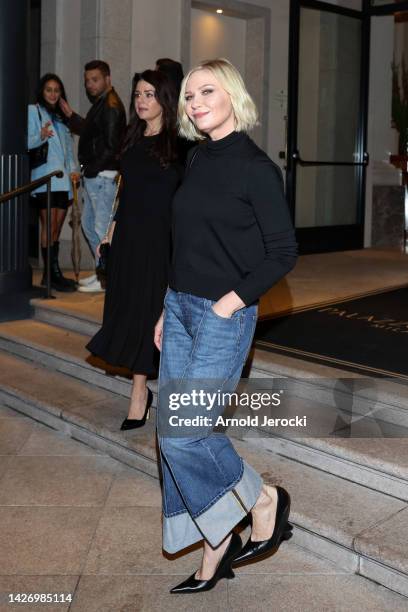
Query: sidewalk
(73, 520)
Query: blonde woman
(232, 240)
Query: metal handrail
(14, 193)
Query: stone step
(62, 350)
(357, 528)
(36, 341)
(66, 404)
(309, 380)
(386, 398)
(76, 316)
(378, 463)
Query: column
(15, 272)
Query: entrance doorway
(328, 89)
(327, 124)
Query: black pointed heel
(282, 531)
(135, 423)
(224, 570)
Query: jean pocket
(169, 295)
(234, 315)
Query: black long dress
(138, 261)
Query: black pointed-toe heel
(224, 570)
(282, 531)
(135, 423)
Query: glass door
(327, 125)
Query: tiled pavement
(73, 520)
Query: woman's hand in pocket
(227, 305)
(220, 311)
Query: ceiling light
(220, 11)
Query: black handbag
(39, 155)
(102, 267)
(104, 249)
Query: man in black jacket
(101, 133)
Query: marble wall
(76, 31)
(156, 32)
(388, 216)
(106, 30)
(215, 35)
(242, 35)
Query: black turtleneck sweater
(231, 224)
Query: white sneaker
(87, 280)
(92, 287)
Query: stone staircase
(349, 495)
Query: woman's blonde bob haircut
(246, 114)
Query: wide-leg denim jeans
(207, 487)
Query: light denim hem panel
(179, 531)
(214, 524)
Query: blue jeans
(98, 194)
(207, 487)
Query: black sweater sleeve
(265, 193)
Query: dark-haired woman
(173, 69)
(46, 122)
(140, 239)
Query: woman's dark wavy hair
(53, 111)
(173, 69)
(165, 147)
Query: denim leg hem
(215, 523)
(179, 531)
